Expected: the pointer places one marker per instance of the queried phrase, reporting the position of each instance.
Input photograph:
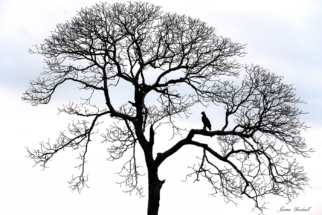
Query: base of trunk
(154, 196)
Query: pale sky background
(283, 36)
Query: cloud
(282, 36)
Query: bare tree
(157, 53)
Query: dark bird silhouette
(206, 122)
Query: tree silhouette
(158, 53)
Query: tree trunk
(154, 193)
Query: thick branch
(188, 140)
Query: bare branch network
(159, 53)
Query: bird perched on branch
(206, 122)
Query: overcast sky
(282, 36)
